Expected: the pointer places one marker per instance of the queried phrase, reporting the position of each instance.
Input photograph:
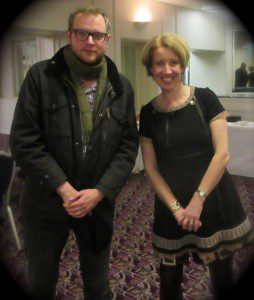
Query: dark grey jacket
(46, 143)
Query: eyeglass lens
(83, 35)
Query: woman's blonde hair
(167, 40)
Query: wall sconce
(142, 18)
(140, 24)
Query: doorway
(144, 87)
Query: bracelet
(201, 194)
(175, 206)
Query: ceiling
(196, 4)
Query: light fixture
(142, 18)
(140, 24)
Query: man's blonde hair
(88, 10)
(168, 40)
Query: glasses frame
(92, 34)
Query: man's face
(88, 50)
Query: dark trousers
(221, 273)
(44, 243)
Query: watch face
(201, 193)
(175, 206)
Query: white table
(241, 148)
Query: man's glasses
(82, 35)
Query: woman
(185, 151)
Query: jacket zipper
(96, 117)
(84, 147)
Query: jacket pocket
(118, 114)
(113, 126)
(58, 115)
(58, 128)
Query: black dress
(183, 148)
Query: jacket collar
(59, 65)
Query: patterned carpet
(133, 274)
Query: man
(251, 76)
(74, 137)
(241, 76)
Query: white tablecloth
(241, 148)
(139, 163)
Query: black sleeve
(211, 104)
(27, 139)
(144, 123)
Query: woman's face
(166, 68)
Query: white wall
(202, 30)
(208, 69)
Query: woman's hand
(179, 215)
(192, 212)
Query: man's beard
(91, 61)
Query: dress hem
(214, 247)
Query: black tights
(221, 273)
(170, 281)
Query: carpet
(133, 273)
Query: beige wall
(48, 15)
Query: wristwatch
(175, 206)
(201, 193)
